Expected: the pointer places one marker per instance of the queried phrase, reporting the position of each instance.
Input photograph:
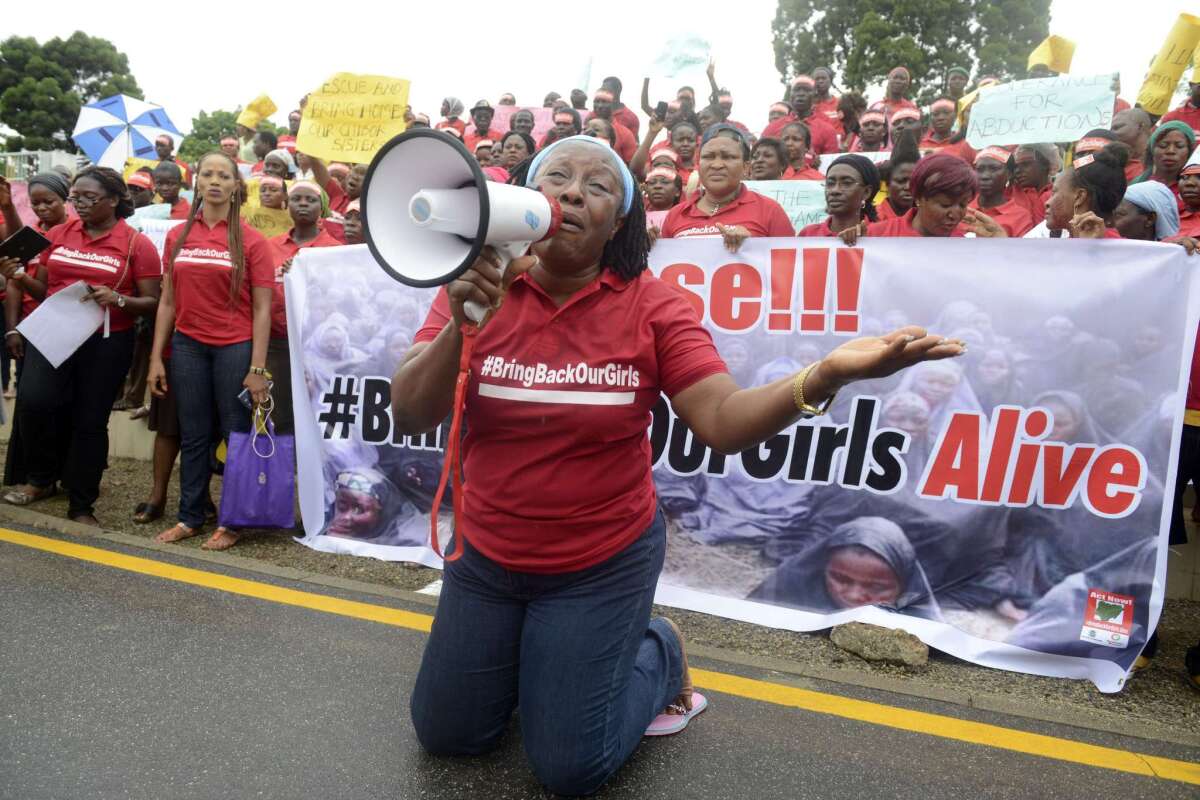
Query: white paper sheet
(62, 323)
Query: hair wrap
(628, 186)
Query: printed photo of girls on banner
(1009, 507)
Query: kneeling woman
(217, 290)
(561, 540)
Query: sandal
(146, 513)
(17, 497)
(677, 715)
(222, 539)
(177, 533)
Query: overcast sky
(186, 57)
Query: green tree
(43, 86)
(208, 128)
(863, 39)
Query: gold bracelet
(261, 371)
(798, 394)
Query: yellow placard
(352, 116)
(132, 165)
(1054, 53)
(267, 221)
(256, 111)
(1169, 64)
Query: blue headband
(626, 175)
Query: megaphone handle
(507, 252)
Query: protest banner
(267, 221)
(1020, 503)
(1060, 109)
(1155, 95)
(543, 120)
(256, 111)
(155, 228)
(804, 201)
(352, 116)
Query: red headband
(805, 80)
(664, 152)
(662, 172)
(872, 116)
(228, 140)
(906, 113)
(270, 180)
(995, 153)
(563, 117)
(1091, 144)
(603, 94)
(950, 104)
(907, 74)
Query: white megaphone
(428, 211)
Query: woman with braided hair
(122, 272)
(217, 288)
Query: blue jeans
(204, 377)
(577, 652)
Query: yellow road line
(945, 727)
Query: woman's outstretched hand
(880, 356)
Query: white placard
(62, 323)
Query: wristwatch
(120, 301)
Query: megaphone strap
(453, 458)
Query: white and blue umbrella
(118, 127)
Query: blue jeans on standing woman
(577, 652)
(204, 377)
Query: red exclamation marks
(849, 280)
(814, 291)
(783, 277)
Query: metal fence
(22, 164)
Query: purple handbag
(259, 486)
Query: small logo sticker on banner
(1108, 618)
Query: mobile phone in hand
(245, 399)
(660, 112)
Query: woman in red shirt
(1170, 146)
(991, 167)
(1033, 168)
(48, 193)
(796, 140)
(1086, 193)
(850, 184)
(872, 134)
(122, 271)
(726, 208)
(942, 187)
(216, 298)
(768, 160)
(896, 173)
(1189, 193)
(549, 606)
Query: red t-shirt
(455, 123)
(626, 117)
(806, 174)
(1011, 216)
(627, 143)
(73, 256)
(1032, 200)
(1189, 225)
(885, 210)
(338, 199)
(1187, 112)
(760, 215)
(181, 209)
(828, 111)
(1133, 168)
(960, 149)
(28, 301)
(822, 228)
(556, 454)
(902, 226)
(471, 139)
(284, 247)
(824, 138)
(889, 106)
(202, 275)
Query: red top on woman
(1189, 223)
(806, 174)
(74, 256)
(201, 277)
(557, 410)
(760, 215)
(1011, 216)
(902, 226)
(824, 139)
(822, 228)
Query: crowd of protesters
(202, 319)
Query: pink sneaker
(667, 724)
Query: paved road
(120, 685)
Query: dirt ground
(1159, 695)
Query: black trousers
(1188, 470)
(81, 390)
